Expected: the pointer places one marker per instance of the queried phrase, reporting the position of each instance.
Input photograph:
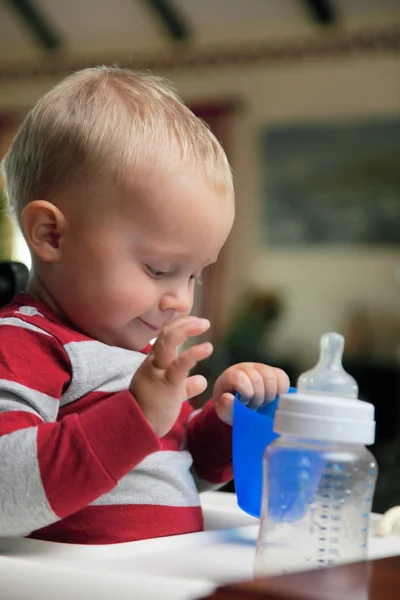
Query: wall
(319, 285)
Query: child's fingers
(195, 385)
(224, 407)
(164, 349)
(239, 381)
(275, 381)
(180, 367)
(283, 381)
(248, 382)
(254, 383)
(257, 382)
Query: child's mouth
(149, 325)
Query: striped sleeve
(209, 441)
(50, 469)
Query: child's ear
(44, 224)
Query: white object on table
(183, 567)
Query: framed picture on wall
(333, 183)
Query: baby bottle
(319, 478)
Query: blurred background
(305, 97)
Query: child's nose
(180, 301)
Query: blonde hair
(96, 124)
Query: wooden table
(371, 580)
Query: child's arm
(48, 469)
(209, 441)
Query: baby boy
(124, 197)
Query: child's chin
(138, 345)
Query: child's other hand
(162, 382)
(256, 383)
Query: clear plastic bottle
(319, 478)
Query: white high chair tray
(183, 567)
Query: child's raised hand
(255, 382)
(162, 382)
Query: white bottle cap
(325, 406)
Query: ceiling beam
(171, 19)
(36, 23)
(322, 11)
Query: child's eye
(155, 272)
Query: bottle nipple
(328, 378)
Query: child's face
(130, 268)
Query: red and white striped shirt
(78, 461)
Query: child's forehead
(180, 217)
(165, 197)
(179, 235)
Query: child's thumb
(196, 384)
(224, 407)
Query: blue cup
(252, 433)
